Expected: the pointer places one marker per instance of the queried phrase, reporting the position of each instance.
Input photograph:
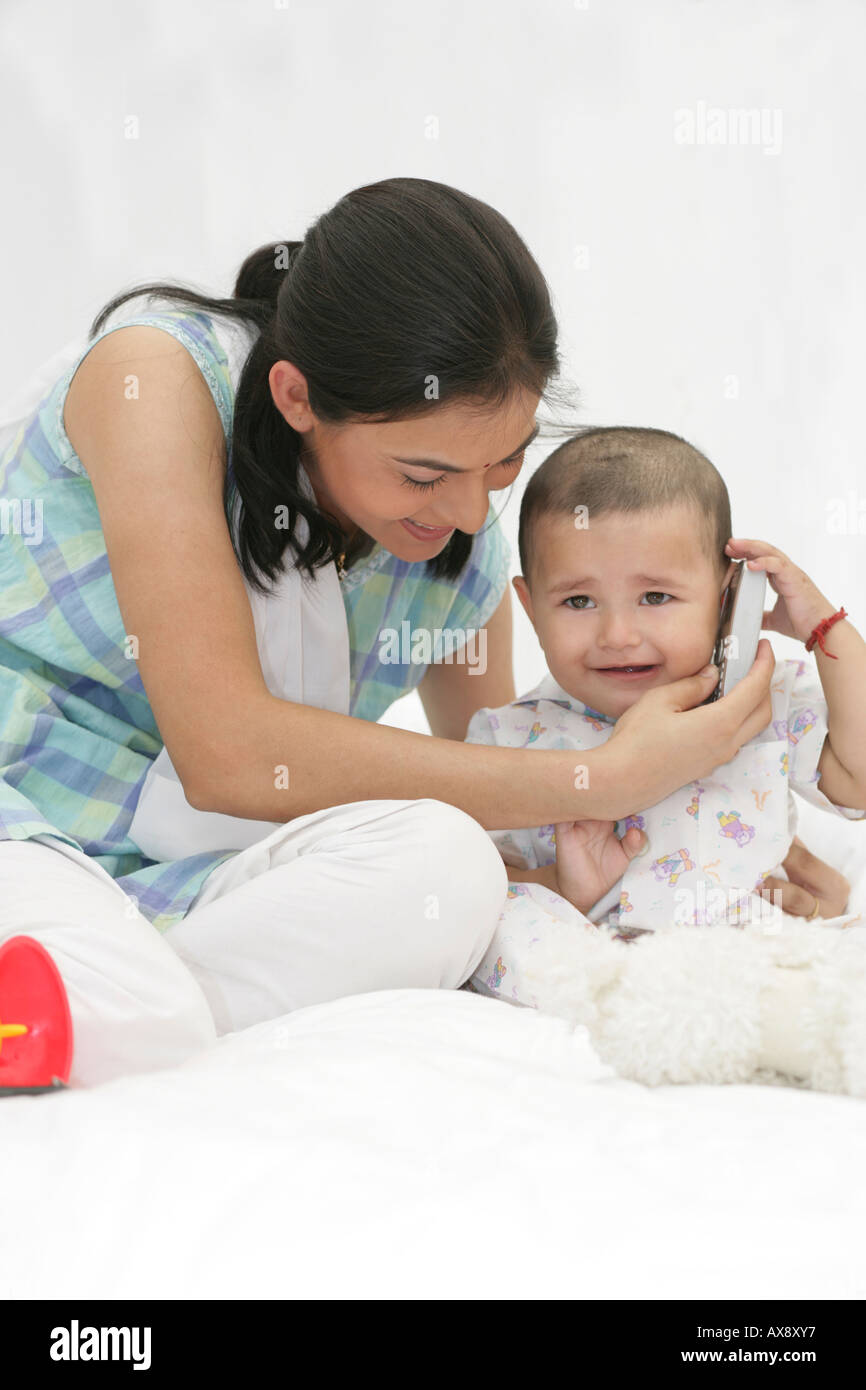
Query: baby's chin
(612, 695)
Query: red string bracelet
(819, 632)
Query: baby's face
(629, 602)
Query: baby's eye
(582, 600)
(655, 599)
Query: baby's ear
(521, 588)
(729, 574)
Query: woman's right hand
(663, 742)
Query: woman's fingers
(727, 724)
(688, 691)
(800, 902)
(662, 742)
(818, 878)
(748, 707)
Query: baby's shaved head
(626, 469)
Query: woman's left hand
(811, 881)
(800, 605)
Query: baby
(626, 550)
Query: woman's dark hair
(401, 281)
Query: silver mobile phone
(740, 626)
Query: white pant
(365, 896)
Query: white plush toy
(715, 1005)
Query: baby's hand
(590, 859)
(800, 605)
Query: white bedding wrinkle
(429, 1144)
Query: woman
(174, 754)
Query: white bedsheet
(432, 1144)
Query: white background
(673, 267)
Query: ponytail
(262, 273)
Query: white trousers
(365, 896)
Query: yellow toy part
(11, 1030)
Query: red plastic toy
(35, 1022)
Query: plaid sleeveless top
(77, 734)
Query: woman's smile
(425, 533)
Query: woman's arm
(156, 464)
(546, 876)
(451, 692)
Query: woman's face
(371, 476)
